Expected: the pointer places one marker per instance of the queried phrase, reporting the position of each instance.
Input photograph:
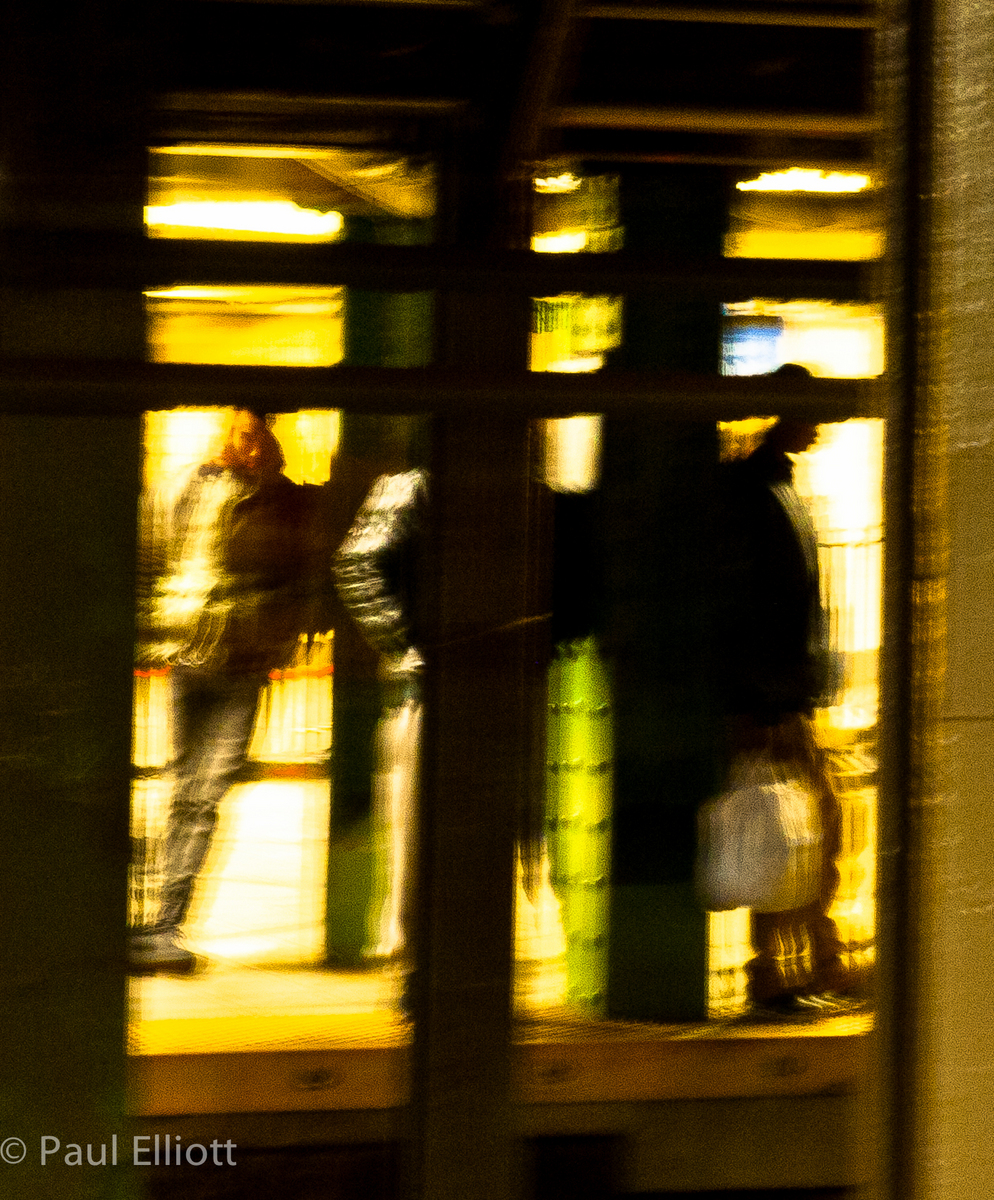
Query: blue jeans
(213, 717)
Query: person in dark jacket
(226, 592)
(775, 660)
(775, 671)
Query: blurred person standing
(376, 571)
(776, 668)
(226, 585)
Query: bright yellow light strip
(559, 243)
(248, 216)
(801, 179)
(240, 150)
(249, 293)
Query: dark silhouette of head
(789, 435)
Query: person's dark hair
(271, 461)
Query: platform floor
(238, 1039)
(264, 1028)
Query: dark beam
(714, 120)
(539, 86)
(96, 259)
(529, 124)
(798, 15)
(66, 387)
(424, 268)
(277, 104)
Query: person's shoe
(159, 952)
(800, 1007)
(791, 1007)
(783, 1005)
(833, 1004)
(836, 979)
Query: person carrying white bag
(775, 669)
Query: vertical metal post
(904, 96)
(660, 550)
(73, 164)
(935, 940)
(480, 678)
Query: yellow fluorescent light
(239, 150)
(251, 216)
(274, 294)
(801, 179)
(559, 243)
(852, 245)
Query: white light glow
(801, 179)
(572, 453)
(578, 365)
(560, 183)
(197, 293)
(248, 216)
(278, 298)
(560, 243)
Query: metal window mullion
(34, 385)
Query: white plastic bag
(759, 842)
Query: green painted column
(578, 826)
(388, 329)
(658, 537)
(382, 329)
(658, 528)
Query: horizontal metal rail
(65, 258)
(715, 120)
(796, 16)
(74, 387)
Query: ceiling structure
(751, 84)
(473, 99)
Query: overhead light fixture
(240, 150)
(802, 179)
(262, 217)
(275, 297)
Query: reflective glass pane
(565, 924)
(265, 867)
(273, 786)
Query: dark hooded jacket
(774, 655)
